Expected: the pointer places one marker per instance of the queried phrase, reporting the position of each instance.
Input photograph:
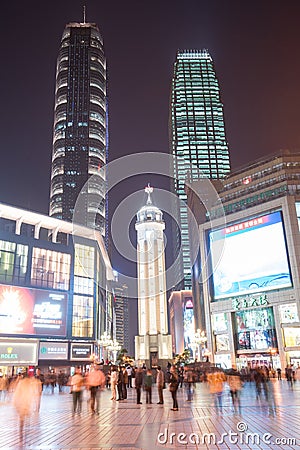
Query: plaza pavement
(197, 424)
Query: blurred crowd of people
(25, 391)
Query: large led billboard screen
(26, 311)
(250, 256)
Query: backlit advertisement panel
(32, 311)
(249, 257)
(188, 321)
(255, 329)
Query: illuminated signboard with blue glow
(249, 256)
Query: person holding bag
(173, 386)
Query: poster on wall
(255, 329)
(222, 342)
(292, 337)
(188, 321)
(250, 256)
(32, 311)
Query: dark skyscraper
(80, 128)
(197, 135)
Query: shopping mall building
(55, 299)
(250, 262)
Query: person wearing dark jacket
(173, 386)
(139, 375)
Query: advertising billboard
(81, 351)
(255, 329)
(13, 353)
(28, 311)
(250, 256)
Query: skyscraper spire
(80, 128)
(199, 142)
(149, 190)
(84, 13)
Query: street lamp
(104, 341)
(114, 347)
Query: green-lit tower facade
(197, 136)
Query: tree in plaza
(182, 358)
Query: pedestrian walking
(139, 379)
(188, 378)
(95, 383)
(114, 376)
(129, 374)
(24, 399)
(148, 386)
(216, 381)
(124, 383)
(173, 387)
(235, 386)
(279, 373)
(160, 382)
(77, 383)
(3, 387)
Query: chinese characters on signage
(249, 302)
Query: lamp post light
(104, 342)
(193, 346)
(114, 347)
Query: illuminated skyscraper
(80, 127)
(153, 342)
(197, 136)
(122, 315)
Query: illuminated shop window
(13, 262)
(292, 337)
(84, 261)
(83, 285)
(82, 320)
(50, 269)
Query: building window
(82, 321)
(84, 261)
(50, 269)
(13, 262)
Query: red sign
(32, 311)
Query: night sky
(254, 44)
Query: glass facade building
(197, 136)
(56, 295)
(80, 128)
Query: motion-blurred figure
(216, 381)
(25, 399)
(95, 382)
(235, 386)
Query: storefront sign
(81, 351)
(249, 302)
(14, 353)
(53, 350)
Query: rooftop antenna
(84, 14)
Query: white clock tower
(153, 344)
